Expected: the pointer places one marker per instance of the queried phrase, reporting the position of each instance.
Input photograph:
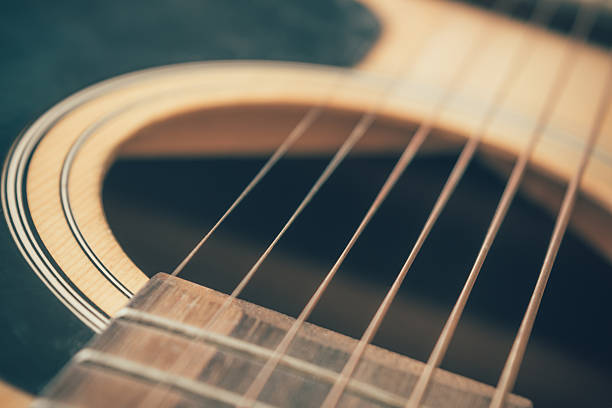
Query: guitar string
(404, 160)
(517, 352)
(386, 183)
(359, 130)
(303, 125)
(581, 27)
(294, 135)
(453, 179)
(355, 135)
(368, 121)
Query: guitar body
(66, 262)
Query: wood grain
(226, 356)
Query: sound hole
(159, 205)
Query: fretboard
(162, 350)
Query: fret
(134, 361)
(228, 342)
(46, 403)
(156, 376)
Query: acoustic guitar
(385, 203)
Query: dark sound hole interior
(159, 208)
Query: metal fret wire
(404, 160)
(357, 132)
(515, 357)
(581, 27)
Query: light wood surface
(230, 85)
(11, 397)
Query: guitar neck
(162, 349)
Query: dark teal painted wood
(52, 49)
